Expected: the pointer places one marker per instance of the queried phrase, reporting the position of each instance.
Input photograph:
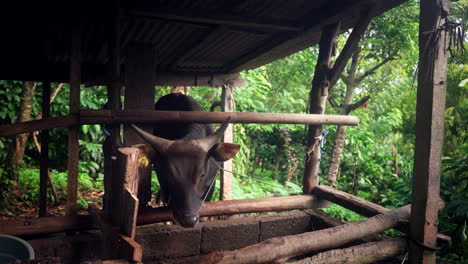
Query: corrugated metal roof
(203, 36)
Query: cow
(187, 159)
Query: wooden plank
(74, 131)
(45, 225)
(38, 125)
(155, 116)
(115, 245)
(44, 155)
(130, 213)
(227, 105)
(317, 102)
(430, 109)
(364, 207)
(131, 249)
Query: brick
(168, 241)
(229, 234)
(284, 224)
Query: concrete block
(284, 225)
(168, 241)
(70, 249)
(229, 234)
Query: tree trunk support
(430, 109)
(74, 131)
(44, 152)
(317, 100)
(227, 104)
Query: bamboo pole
(156, 116)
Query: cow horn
(160, 144)
(208, 142)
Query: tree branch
(350, 46)
(373, 69)
(351, 107)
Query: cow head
(188, 171)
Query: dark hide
(187, 167)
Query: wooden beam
(372, 252)
(85, 222)
(90, 116)
(38, 125)
(317, 103)
(46, 225)
(364, 207)
(231, 207)
(74, 131)
(199, 79)
(202, 17)
(430, 109)
(156, 116)
(280, 249)
(277, 43)
(227, 105)
(44, 158)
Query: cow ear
(224, 151)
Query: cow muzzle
(186, 220)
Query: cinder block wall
(175, 244)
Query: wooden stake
(430, 109)
(44, 152)
(74, 131)
(227, 105)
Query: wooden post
(227, 105)
(113, 141)
(430, 109)
(317, 100)
(139, 94)
(74, 131)
(44, 163)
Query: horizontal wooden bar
(57, 224)
(91, 116)
(45, 225)
(38, 125)
(363, 207)
(230, 207)
(154, 116)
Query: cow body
(186, 160)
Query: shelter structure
(132, 46)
